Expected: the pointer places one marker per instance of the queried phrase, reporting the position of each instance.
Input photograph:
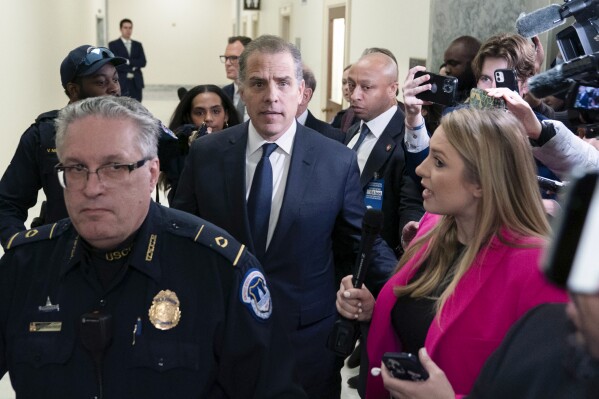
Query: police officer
(129, 299)
(87, 71)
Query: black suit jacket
(535, 360)
(137, 60)
(324, 128)
(402, 197)
(230, 91)
(322, 202)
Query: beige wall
(182, 40)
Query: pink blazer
(502, 285)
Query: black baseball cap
(86, 60)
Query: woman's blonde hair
(498, 158)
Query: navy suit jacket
(230, 91)
(324, 128)
(402, 197)
(322, 202)
(137, 60)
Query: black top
(411, 317)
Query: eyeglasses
(95, 54)
(75, 177)
(232, 58)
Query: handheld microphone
(342, 339)
(372, 223)
(539, 21)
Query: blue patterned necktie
(260, 200)
(363, 133)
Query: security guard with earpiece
(129, 299)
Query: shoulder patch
(211, 236)
(45, 232)
(255, 295)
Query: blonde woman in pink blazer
(472, 269)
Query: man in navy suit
(234, 48)
(130, 75)
(315, 199)
(305, 117)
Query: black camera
(578, 76)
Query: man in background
(379, 144)
(305, 117)
(130, 75)
(86, 71)
(235, 46)
(458, 59)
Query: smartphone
(404, 366)
(443, 90)
(479, 99)
(506, 78)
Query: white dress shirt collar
(302, 118)
(285, 142)
(378, 125)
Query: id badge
(374, 194)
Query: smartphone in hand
(443, 90)
(404, 366)
(506, 78)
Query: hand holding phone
(405, 366)
(443, 88)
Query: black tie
(363, 133)
(260, 199)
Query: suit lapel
(384, 147)
(234, 171)
(351, 132)
(302, 164)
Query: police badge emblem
(164, 313)
(256, 295)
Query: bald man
(379, 143)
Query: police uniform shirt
(224, 343)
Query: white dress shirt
(376, 126)
(302, 118)
(280, 160)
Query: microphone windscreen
(549, 82)
(539, 21)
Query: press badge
(374, 194)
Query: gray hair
(111, 107)
(269, 44)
